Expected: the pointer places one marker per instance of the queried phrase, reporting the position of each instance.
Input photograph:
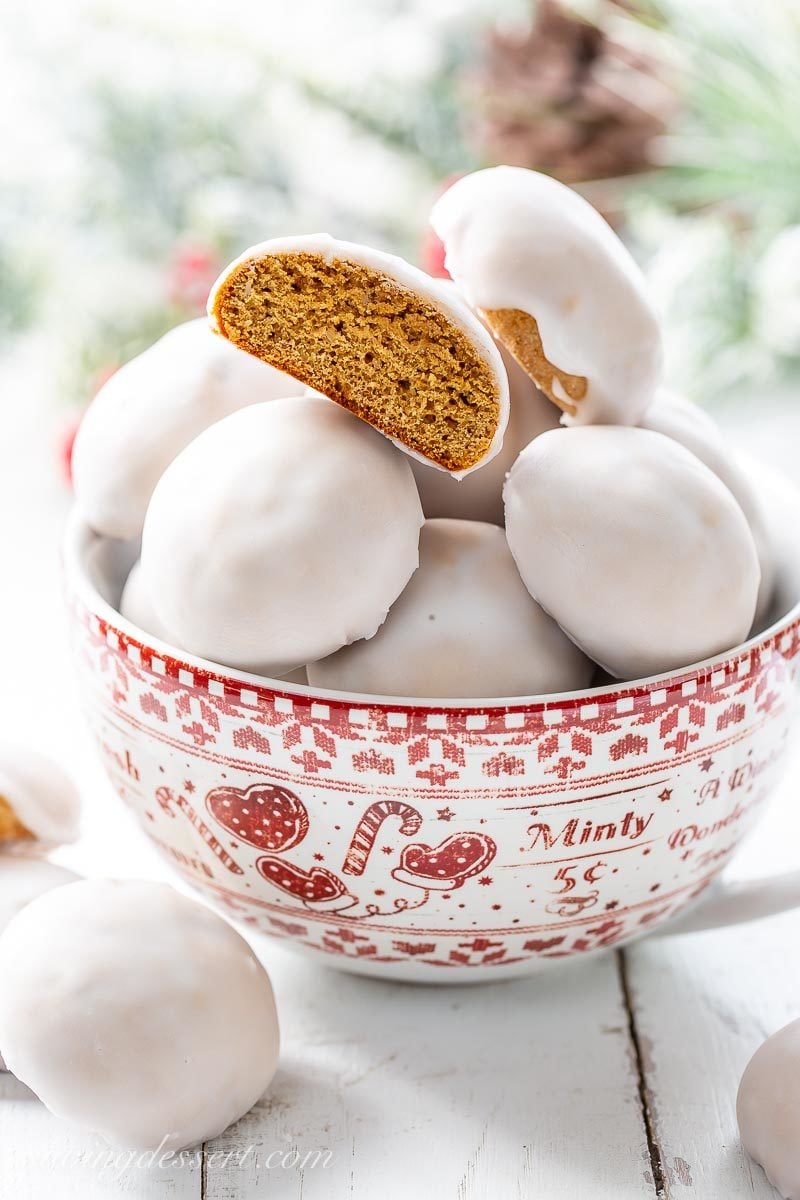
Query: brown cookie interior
(11, 828)
(374, 346)
(519, 333)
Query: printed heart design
(263, 815)
(318, 888)
(446, 866)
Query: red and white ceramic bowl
(438, 840)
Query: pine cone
(565, 98)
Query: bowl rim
(78, 538)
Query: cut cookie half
(518, 331)
(557, 287)
(377, 336)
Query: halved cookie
(377, 336)
(557, 287)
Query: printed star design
(319, 857)
(612, 904)
(387, 849)
(445, 814)
(485, 880)
(188, 786)
(666, 794)
(706, 764)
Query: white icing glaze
(464, 627)
(150, 409)
(137, 607)
(633, 545)
(690, 425)
(479, 497)
(160, 1022)
(40, 793)
(517, 239)
(768, 1109)
(280, 534)
(435, 291)
(22, 879)
(780, 501)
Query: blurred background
(144, 145)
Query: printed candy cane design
(367, 830)
(165, 798)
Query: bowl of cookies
(418, 624)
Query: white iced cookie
(280, 534)
(479, 497)
(377, 336)
(465, 626)
(159, 1025)
(22, 880)
(557, 287)
(690, 425)
(39, 803)
(768, 1109)
(780, 500)
(150, 409)
(137, 607)
(633, 545)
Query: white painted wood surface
(614, 1078)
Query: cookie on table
(159, 1027)
(768, 1109)
(377, 336)
(22, 880)
(557, 287)
(465, 626)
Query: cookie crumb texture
(11, 828)
(375, 347)
(519, 333)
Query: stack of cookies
(379, 482)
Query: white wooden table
(613, 1079)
